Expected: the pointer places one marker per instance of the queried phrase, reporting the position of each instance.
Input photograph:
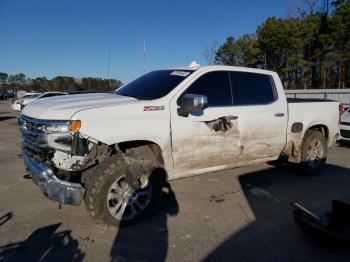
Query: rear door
(204, 141)
(263, 116)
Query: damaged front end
(54, 157)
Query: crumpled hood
(63, 107)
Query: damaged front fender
(138, 163)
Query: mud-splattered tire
(108, 198)
(313, 152)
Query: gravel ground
(236, 215)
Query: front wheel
(111, 200)
(313, 152)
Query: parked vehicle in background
(26, 99)
(17, 104)
(7, 95)
(116, 150)
(3, 94)
(345, 126)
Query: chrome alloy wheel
(314, 153)
(124, 203)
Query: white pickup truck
(116, 150)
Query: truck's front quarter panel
(55, 157)
(142, 121)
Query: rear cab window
(252, 88)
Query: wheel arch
(136, 148)
(321, 128)
(293, 148)
(138, 144)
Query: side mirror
(191, 103)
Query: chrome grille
(33, 138)
(345, 133)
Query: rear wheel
(111, 200)
(313, 152)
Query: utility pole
(144, 56)
(109, 65)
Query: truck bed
(311, 112)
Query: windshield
(154, 85)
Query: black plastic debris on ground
(332, 227)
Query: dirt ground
(236, 215)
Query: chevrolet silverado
(115, 151)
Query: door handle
(279, 114)
(230, 117)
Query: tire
(111, 201)
(313, 152)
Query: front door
(209, 140)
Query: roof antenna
(194, 64)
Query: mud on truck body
(115, 151)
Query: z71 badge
(153, 108)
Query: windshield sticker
(180, 73)
(153, 108)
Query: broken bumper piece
(52, 187)
(332, 227)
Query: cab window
(252, 88)
(215, 85)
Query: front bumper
(52, 187)
(344, 131)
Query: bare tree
(210, 52)
(294, 8)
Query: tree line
(308, 50)
(58, 83)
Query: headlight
(64, 127)
(54, 128)
(72, 126)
